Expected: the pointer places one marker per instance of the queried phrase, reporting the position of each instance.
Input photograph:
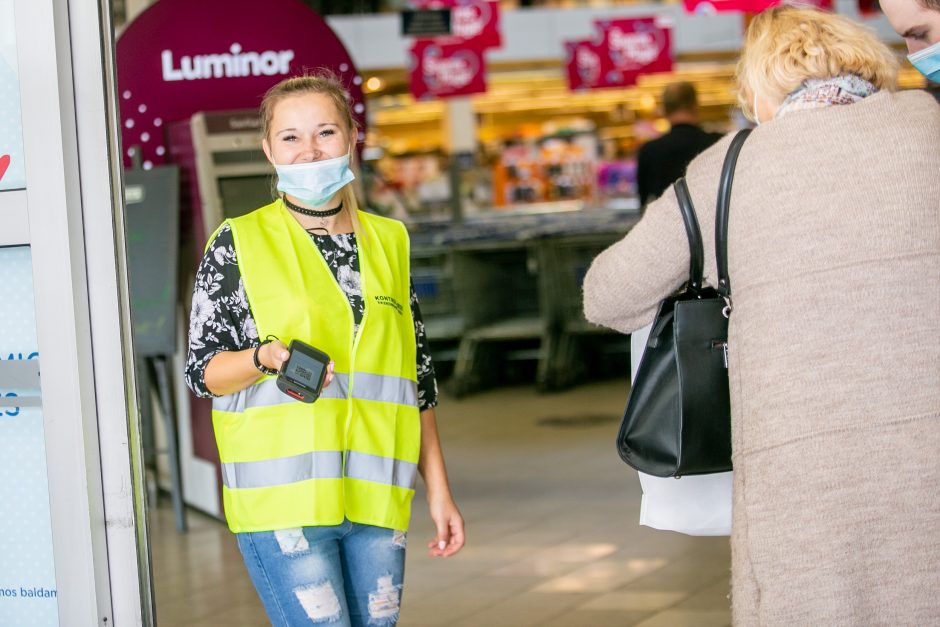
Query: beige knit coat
(834, 260)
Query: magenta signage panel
(446, 70)
(708, 7)
(180, 57)
(479, 20)
(638, 45)
(475, 22)
(621, 51)
(588, 65)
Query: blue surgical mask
(927, 62)
(316, 182)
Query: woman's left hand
(449, 523)
(329, 374)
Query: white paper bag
(698, 505)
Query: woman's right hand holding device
(229, 372)
(273, 354)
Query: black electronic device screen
(304, 372)
(244, 194)
(304, 369)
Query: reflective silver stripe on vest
(368, 386)
(266, 394)
(384, 470)
(319, 465)
(377, 387)
(284, 470)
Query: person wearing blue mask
(918, 22)
(319, 495)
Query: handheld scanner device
(301, 377)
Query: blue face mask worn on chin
(927, 62)
(316, 182)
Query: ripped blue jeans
(349, 574)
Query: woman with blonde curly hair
(834, 343)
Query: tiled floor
(551, 517)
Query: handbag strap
(694, 233)
(721, 216)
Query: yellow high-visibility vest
(354, 452)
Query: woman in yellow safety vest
(319, 495)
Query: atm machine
(223, 174)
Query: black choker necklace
(312, 212)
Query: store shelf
(513, 329)
(444, 327)
(514, 292)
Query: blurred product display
(560, 167)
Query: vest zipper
(354, 346)
(354, 343)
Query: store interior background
(508, 196)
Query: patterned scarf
(815, 93)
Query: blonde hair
(785, 46)
(322, 81)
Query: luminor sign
(235, 63)
(170, 65)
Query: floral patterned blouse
(221, 318)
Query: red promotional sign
(440, 70)
(825, 5)
(170, 65)
(628, 48)
(475, 21)
(638, 45)
(588, 65)
(707, 7)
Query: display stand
(563, 261)
(519, 297)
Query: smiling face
(303, 128)
(918, 25)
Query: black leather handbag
(678, 417)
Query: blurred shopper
(663, 160)
(834, 342)
(319, 495)
(918, 22)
